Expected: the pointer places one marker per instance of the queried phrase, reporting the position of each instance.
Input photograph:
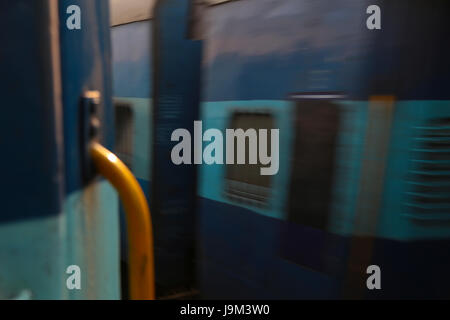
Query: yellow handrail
(140, 235)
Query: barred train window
(124, 132)
(244, 182)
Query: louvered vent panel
(428, 195)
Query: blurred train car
(156, 72)
(364, 150)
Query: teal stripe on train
(86, 235)
(212, 177)
(32, 259)
(142, 135)
(394, 219)
(93, 241)
(397, 219)
(350, 141)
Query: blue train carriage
(285, 61)
(131, 24)
(363, 119)
(51, 218)
(152, 99)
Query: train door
(55, 217)
(309, 238)
(91, 205)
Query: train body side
(254, 60)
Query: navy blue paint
(412, 270)
(246, 255)
(271, 76)
(315, 36)
(408, 57)
(176, 105)
(132, 56)
(31, 179)
(241, 256)
(86, 61)
(313, 248)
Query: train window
(244, 182)
(316, 127)
(124, 132)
